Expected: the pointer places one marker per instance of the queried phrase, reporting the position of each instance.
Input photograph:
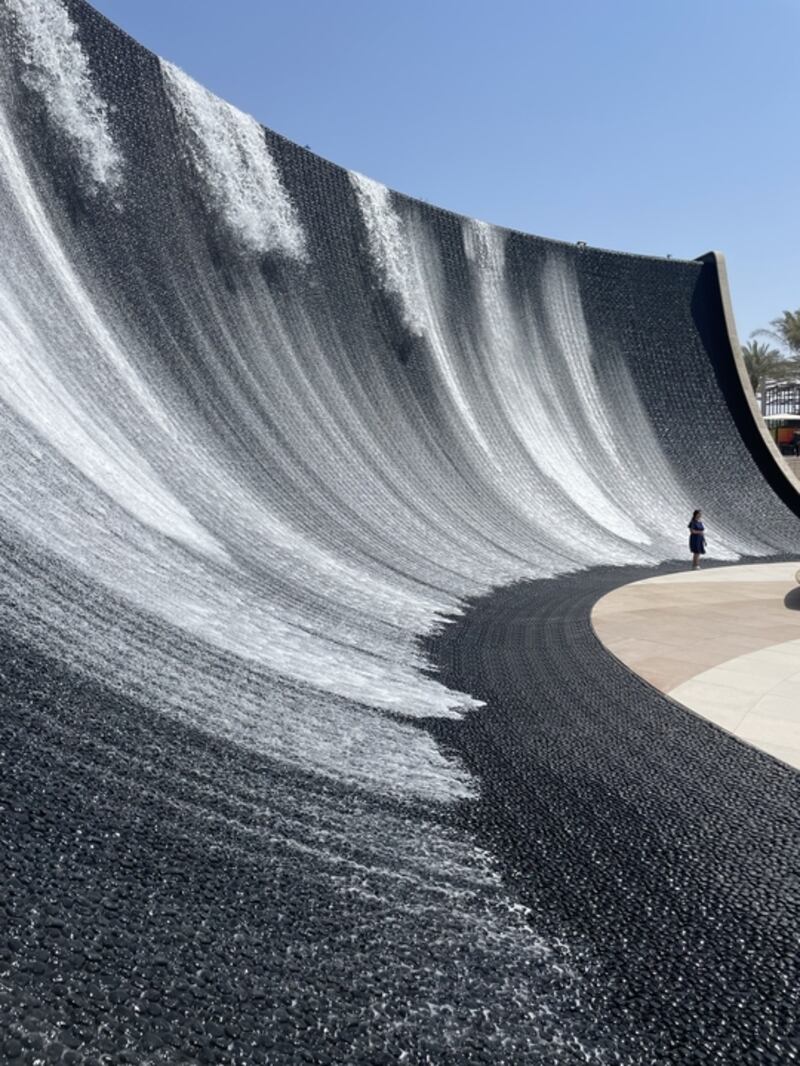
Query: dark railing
(782, 398)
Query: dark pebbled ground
(643, 830)
(160, 905)
(151, 913)
(160, 898)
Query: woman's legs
(696, 561)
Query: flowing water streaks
(230, 153)
(235, 493)
(56, 67)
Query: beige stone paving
(722, 642)
(793, 464)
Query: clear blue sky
(655, 126)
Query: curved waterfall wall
(265, 424)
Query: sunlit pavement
(724, 642)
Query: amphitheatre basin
(724, 642)
(309, 751)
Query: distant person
(796, 442)
(697, 538)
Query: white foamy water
(320, 573)
(228, 500)
(84, 439)
(240, 177)
(528, 357)
(530, 389)
(56, 67)
(409, 271)
(319, 528)
(46, 319)
(391, 250)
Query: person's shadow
(792, 599)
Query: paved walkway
(723, 642)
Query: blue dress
(697, 540)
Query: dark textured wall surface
(306, 490)
(627, 819)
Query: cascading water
(264, 424)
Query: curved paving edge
(649, 834)
(724, 642)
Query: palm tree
(786, 331)
(765, 364)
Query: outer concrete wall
(733, 380)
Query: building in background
(781, 397)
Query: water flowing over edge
(256, 460)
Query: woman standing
(697, 538)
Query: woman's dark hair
(696, 513)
